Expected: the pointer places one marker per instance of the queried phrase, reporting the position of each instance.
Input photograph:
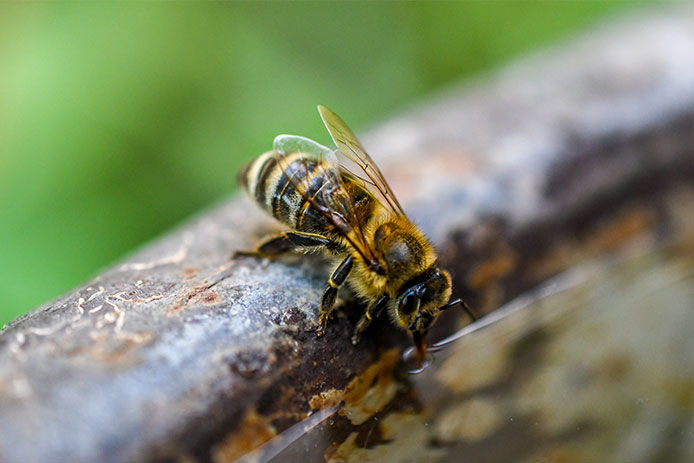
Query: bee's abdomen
(275, 190)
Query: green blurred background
(117, 121)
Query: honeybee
(337, 202)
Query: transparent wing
(314, 162)
(366, 170)
(288, 144)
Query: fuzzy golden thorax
(411, 279)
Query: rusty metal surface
(594, 365)
(179, 354)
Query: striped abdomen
(275, 190)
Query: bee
(338, 202)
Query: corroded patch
(326, 399)
(407, 438)
(190, 272)
(202, 294)
(628, 224)
(366, 394)
(492, 270)
(253, 431)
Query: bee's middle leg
(330, 293)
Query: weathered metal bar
(180, 354)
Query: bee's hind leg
(373, 311)
(330, 293)
(284, 243)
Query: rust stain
(629, 223)
(608, 237)
(382, 371)
(201, 294)
(331, 453)
(492, 270)
(366, 394)
(252, 432)
(326, 399)
(211, 297)
(403, 437)
(554, 261)
(189, 272)
(173, 310)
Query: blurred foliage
(119, 120)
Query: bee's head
(419, 301)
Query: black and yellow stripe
(274, 186)
(274, 189)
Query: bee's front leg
(330, 293)
(373, 311)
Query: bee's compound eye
(409, 303)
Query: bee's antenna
(469, 311)
(466, 308)
(450, 304)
